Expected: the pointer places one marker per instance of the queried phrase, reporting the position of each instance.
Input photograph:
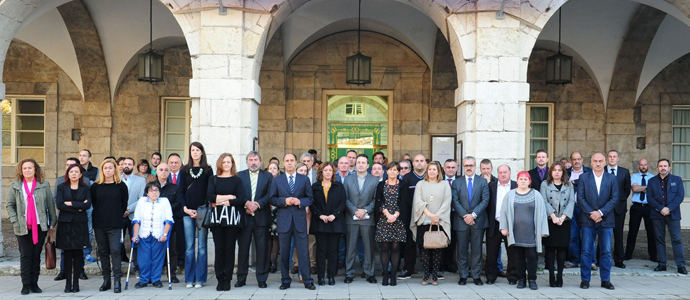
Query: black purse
(203, 216)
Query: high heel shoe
(394, 281)
(552, 280)
(384, 281)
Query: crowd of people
(318, 217)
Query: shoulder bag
(435, 239)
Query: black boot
(118, 287)
(75, 285)
(533, 285)
(26, 289)
(552, 279)
(68, 285)
(106, 284)
(559, 280)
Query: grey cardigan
(558, 202)
(508, 217)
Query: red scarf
(31, 220)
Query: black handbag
(203, 216)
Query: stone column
(226, 53)
(491, 102)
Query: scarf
(31, 221)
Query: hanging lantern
(559, 67)
(358, 66)
(150, 62)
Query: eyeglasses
(468, 166)
(405, 168)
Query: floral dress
(390, 232)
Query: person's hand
(190, 212)
(391, 218)
(435, 219)
(331, 218)
(324, 218)
(360, 213)
(665, 211)
(307, 210)
(544, 235)
(252, 206)
(163, 238)
(595, 215)
(68, 203)
(297, 202)
(135, 240)
(504, 232)
(554, 219)
(248, 211)
(469, 219)
(126, 214)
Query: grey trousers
(472, 239)
(353, 231)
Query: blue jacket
(589, 200)
(286, 215)
(675, 193)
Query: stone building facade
(257, 75)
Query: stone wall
(580, 121)
(290, 117)
(137, 105)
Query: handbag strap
(438, 227)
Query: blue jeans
(676, 243)
(195, 268)
(499, 263)
(151, 255)
(574, 247)
(589, 235)
(87, 250)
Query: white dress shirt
(152, 216)
(501, 192)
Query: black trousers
(448, 258)
(224, 239)
(526, 259)
(108, 241)
(493, 247)
(74, 265)
(180, 243)
(30, 256)
(327, 249)
(410, 252)
(639, 212)
(618, 248)
(263, 261)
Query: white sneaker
(189, 286)
(198, 285)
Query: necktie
(175, 179)
(613, 172)
(541, 173)
(469, 190)
(450, 182)
(644, 183)
(291, 182)
(31, 220)
(253, 178)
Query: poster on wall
(442, 148)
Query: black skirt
(559, 236)
(72, 235)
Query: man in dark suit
(257, 184)
(666, 193)
(597, 193)
(538, 174)
(169, 190)
(497, 191)
(359, 218)
(291, 193)
(623, 179)
(175, 163)
(574, 173)
(470, 199)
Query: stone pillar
(491, 102)
(226, 53)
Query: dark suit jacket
(675, 192)
(461, 204)
(335, 206)
(287, 215)
(76, 212)
(623, 179)
(262, 216)
(170, 191)
(491, 207)
(589, 200)
(536, 180)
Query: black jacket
(536, 181)
(491, 208)
(76, 212)
(262, 216)
(170, 191)
(335, 206)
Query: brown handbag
(435, 239)
(50, 252)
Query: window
(681, 145)
(539, 132)
(175, 129)
(354, 109)
(23, 129)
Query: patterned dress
(390, 232)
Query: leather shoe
(240, 284)
(521, 284)
(140, 285)
(284, 286)
(462, 281)
(533, 285)
(60, 276)
(25, 289)
(310, 286)
(35, 289)
(620, 265)
(263, 285)
(322, 281)
(490, 281)
(117, 287)
(106, 285)
(660, 268)
(584, 285)
(512, 282)
(83, 276)
(174, 279)
(157, 284)
(502, 274)
(371, 279)
(478, 281)
(348, 279)
(607, 285)
(683, 271)
(331, 281)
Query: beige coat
(16, 207)
(440, 205)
